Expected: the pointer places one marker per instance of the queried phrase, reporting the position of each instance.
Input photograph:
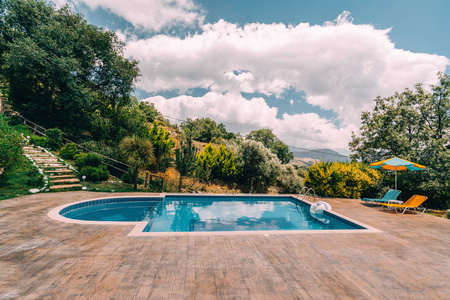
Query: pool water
(175, 213)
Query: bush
(54, 137)
(15, 120)
(40, 141)
(127, 178)
(10, 145)
(21, 177)
(346, 180)
(69, 151)
(95, 174)
(88, 160)
(23, 129)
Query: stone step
(62, 176)
(39, 155)
(71, 180)
(40, 158)
(47, 166)
(59, 171)
(66, 186)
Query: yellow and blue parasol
(396, 164)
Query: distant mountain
(321, 154)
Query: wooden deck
(41, 258)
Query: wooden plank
(41, 258)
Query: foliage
(205, 130)
(95, 174)
(337, 179)
(149, 111)
(185, 160)
(54, 138)
(69, 151)
(23, 129)
(40, 141)
(257, 165)
(21, 177)
(63, 72)
(88, 160)
(216, 163)
(414, 125)
(138, 153)
(15, 120)
(111, 151)
(10, 146)
(270, 141)
(162, 144)
(289, 179)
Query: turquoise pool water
(176, 213)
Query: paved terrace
(46, 259)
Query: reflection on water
(188, 214)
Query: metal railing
(305, 191)
(37, 129)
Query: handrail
(36, 126)
(307, 193)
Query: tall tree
(415, 125)
(62, 72)
(163, 145)
(272, 142)
(257, 164)
(138, 152)
(185, 160)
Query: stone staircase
(57, 175)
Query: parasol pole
(396, 183)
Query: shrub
(69, 151)
(54, 137)
(95, 174)
(23, 129)
(88, 160)
(289, 179)
(15, 120)
(40, 141)
(10, 145)
(127, 178)
(347, 180)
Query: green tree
(163, 145)
(149, 111)
(270, 141)
(216, 163)
(414, 125)
(63, 72)
(206, 130)
(185, 160)
(138, 153)
(257, 164)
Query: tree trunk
(179, 184)
(136, 173)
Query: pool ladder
(306, 192)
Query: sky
(305, 69)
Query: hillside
(320, 154)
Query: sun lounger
(414, 202)
(390, 195)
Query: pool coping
(139, 226)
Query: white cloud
(340, 66)
(151, 15)
(239, 114)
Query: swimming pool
(173, 214)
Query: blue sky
(305, 69)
